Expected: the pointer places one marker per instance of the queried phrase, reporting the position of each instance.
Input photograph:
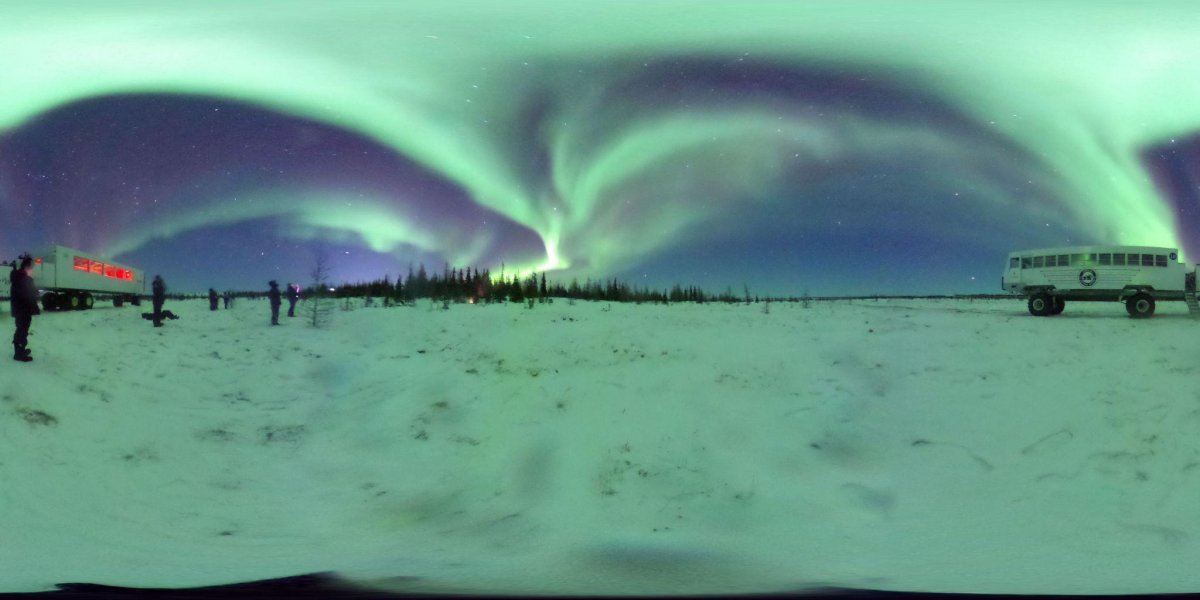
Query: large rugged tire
(74, 301)
(1040, 305)
(88, 301)
(49, 302)
(1058, 306)
(1140, 305)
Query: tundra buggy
(1139, 276)
(68, 278)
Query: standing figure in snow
(159, 296)
(212, 299)
(293, 296)
(24, 306)
(274, 296)
(228, 299)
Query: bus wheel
(74, 301)
(1059, 305)
(1140, 305)
(88, 301)
(1040, 305)
(49, 302)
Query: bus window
(1118, 259)
(1092, 259)
(1160, 260)
(1077, 260)
(1026, 262)
(1147, 260)
(1037, 262)
(1014, 263)
(1051, 261)
(1105, 259)
(1064, 260)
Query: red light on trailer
(82, 264)
(37, 261)
(110, 271)
(97, 267)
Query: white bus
(1139, 276)
(68, 278)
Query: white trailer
(1139, 276)
(68, 278)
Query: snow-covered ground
(596, 448)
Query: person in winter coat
(228, 299)
(159, 296)
(24, 306)
(274, 296)
(212, 299)
(293, 296)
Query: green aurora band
(1081, 87)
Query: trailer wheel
(49, 302)
(1040, 304)
(1140, 305)
(118, 301)
(88, 301)
(1058, 306)
(74, 301)
(135, 300)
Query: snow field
(596, 448)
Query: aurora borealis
(839, 147)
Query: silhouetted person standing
(24, 306)
(159, 295)
(293, 296)
(228, 299)
(212, 299)
(274, 296)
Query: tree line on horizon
(479, 286)
(472, 285)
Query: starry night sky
(836, 147)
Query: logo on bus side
(1087, 277)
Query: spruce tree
(422, 289)
(318, 307)
(515, 293)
